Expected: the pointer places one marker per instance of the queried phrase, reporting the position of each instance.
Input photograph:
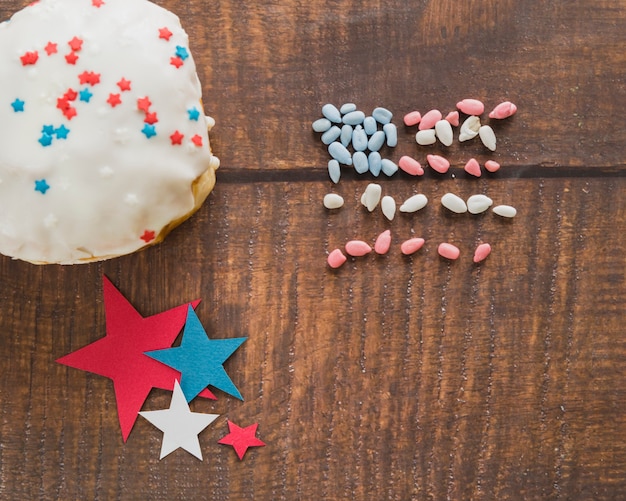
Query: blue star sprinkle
(85, 95)
(48, 130)
(42, 186)
(182, 52)
(45, 140)
(62, 132)
(18, 105)
(149, 130)
(194, 113)
(200, 359)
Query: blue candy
(331, 112)
(340, 153)
(359, 139)
(354, 118)
(376, 141)
(360, 162)
(391, 132)
(331, 134)
(321, 125)
(375, 163)
(382, 115)
(334, 171)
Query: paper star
(119, 355)
(241, 438)
(18, 105)
(179, 425)
(199, 359)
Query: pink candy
(481, 253)
(438, 163)
(448, 251)
(410, 166)
(453, 118)
(430, 119)
(492, 165)
(472, 167)
(336, 258)
(471, 106)
(412, 118)
(357, 248)
(412, 245)
(383, 242)
(503, 110)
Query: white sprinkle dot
(131, 199)
(50, 221)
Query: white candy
(488, 137)
(469, 128)
(371, 196)
(478, 203)
(505, 210)
(414, 203)
(443, 129)
(426, 137)
(454, 203)
(388, 205)
(333, 201)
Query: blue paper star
(85, 95)
(45, 140)
(42, 186)
(149, 130)
(199, 359)
(18, 105)
(62, 132)
(194, 113)
(182, 52)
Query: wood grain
(393, 377)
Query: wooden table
(392, 377)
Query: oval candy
(414, 203)
(369, 125)
(454, 203)
(382, 115)
(438, 163)
(358, 248)
(388, 167)
(481, 252)
(359, 139)
(321, 125)
(412, 118)
(411, 246)
(410, 166)
(334, 171)
(430, 119)
(333, 201)
(391, 133)
(375, 163)
(388, 206)
(354, 118)
(340, 153)
(331, 112)
(471, 106)
(360, 163)
(383, 243)
(336, 258)
(331, 135)
(377, 140)
(448, 251)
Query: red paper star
(120, 354)
(51, 48)
(114, 100)
(241, 438)
(177, 138)
(165, 34)
(124, 84)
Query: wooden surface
(392, 377)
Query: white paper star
(179, 425)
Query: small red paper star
(197, 140)
(176, 61)
(51, 48)
(89, 77)
(148, 236)
(151, 118)
(124, 84)
(29, 58)
(241, 438)
(75, 44)
(165, 34)
(71, 58)
(143, 104)
(177, 138)
(114, 100)
(97, 3)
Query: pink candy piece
(336, 258)
(410, 166)
(481, 253)
(383, 242)
(453, 118)
(503, 110)
(471, 106)
(412, 118)
(492, 165)
(448, 251)
(412, 245)
(438, 163)
(357, 248)
(430, 119)
(472, 167)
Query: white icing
(108, 183)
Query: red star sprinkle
(197, 140)
(241, 438)
(75, 44)
(71, 58)
(176, 61)
(124, 84)
(89, 77)
(29, 58)
(143, 104)
(97, 3)
(120, 354)
(148, 236)
(51, 48)
(114, 100)
(63, 103)
(69, 112)
(70, 95)
(177, 138)
(165, 34)
(151, 118)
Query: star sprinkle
(177, 138)
(165, 34)
(114, 100)
(29, 58)
(85, 95)
(151, 118)
(124, 84)
(241, 438)
(120, 357)
(18, 105)
(194, 114)
(149, 130)
(97, 3)
(75, 44)
(199, 359)
(45, 140)
(148, 236)
(51, 48)
(197, 140)
(182, 52)
(176, 61)
(42, 186)
(61, 132)
(71, 58)
(143, 104)
(48, 129)
(89, 77)
(179, 425)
